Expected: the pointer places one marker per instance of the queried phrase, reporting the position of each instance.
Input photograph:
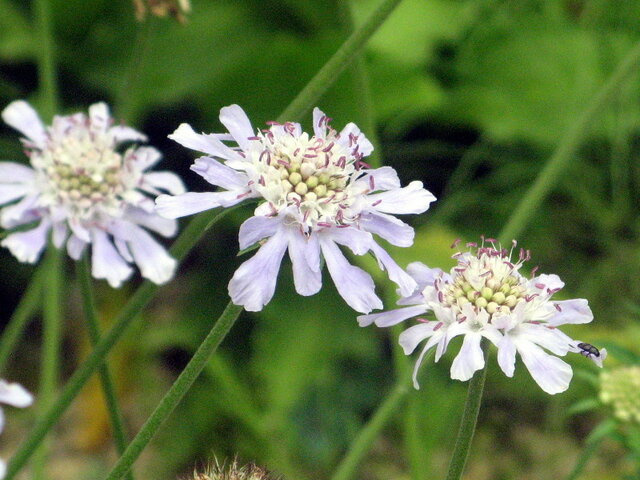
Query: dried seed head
(234, 472)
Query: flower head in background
(620, 388)
(16, 396)
(234, 472)
(86, 188)
(176, 9)
(316, 193)
(485, 296)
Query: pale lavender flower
(16, 396)
(486, 296)
(86, 189)
(317, 194)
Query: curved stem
(593, 442)
(93, 327)
(362, 444)
(338, 62)
(25, 311)
(179, 388)
(468, 422)
(189, 237)
(52, 336)
(559, 162)
(46, 59)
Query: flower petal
(211, 144)
(255, 228)
(572, 311)
(254, 282)
(15, 395)
(305, 259)
(145, 157)
(154, 182)
(405, 282)
(75, 247)
(358, 241)
(13, 191)
(410, 199)
(507, 355)
(27, 246)
(188, 203)
(469, 359)
(391, 317)
(319, 125)
(238, 124)
(351, 135)
(99, 116)
(59, 234)
(20, 213)
(106, 262)
(384, 178)
(152, 259)
(122, 133)
(412, 336)
(552, 374)
(21, 116)
(392, 229)
(164, 226)
(354, 285)
(15, 173)
(219, 174)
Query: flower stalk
(108, 387)
(177, 391)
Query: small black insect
(588, 350)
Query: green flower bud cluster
(495, 296)
(620, 388)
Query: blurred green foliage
(470, 96)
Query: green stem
(93, 327)
(338, 62)
(593, 442)
(50, 362)
(180, 387)
(468, 422)
(560, 160)
(349, 465)
(189, 237)
(46, 59)
(25, 311)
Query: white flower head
(16, 396)
(86, 188)
(486, 296)
(316, 193)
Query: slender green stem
(189, 237)
(593, 442)
(180, 387)
(108, 387)
(560, 160)
(25, 311)
(338, 62)
(50, 361)
(361, 445)
(46, 59)
(468, 422)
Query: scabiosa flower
(486, 296)
(317, 194)
(234, 472)
(16, 396)
(86, 188)
(620, 388)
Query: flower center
(487, 280)
(81, 172)
(310, 173)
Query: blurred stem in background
(93, 327)
(592, 443)
(516, 224)
(52, 327)
(183, 244)
(50, 353)
(27, 308)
